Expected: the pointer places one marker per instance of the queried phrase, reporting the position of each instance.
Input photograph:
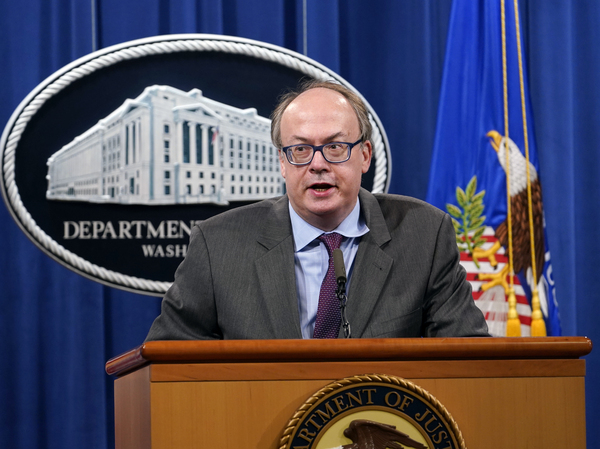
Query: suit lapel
(276, 273)
(371, 267)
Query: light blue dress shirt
(312, 260)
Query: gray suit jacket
(238, 281)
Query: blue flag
(469, 169)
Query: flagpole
(538, 327)
(513, 324)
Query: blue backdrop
(57, 328)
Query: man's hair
(355, 101)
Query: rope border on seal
(383, 378)
(149, 47)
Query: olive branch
(470, 228)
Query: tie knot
(332, 241)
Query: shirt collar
(304, 233)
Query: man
(256, 271)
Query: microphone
(340, 276)
(338, 266)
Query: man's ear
(367, 152)
(281, 163)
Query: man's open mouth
(321, 187)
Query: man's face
(323, 194)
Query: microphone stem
(341, 296)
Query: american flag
(493, 301)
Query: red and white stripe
(494, 302)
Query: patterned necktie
(327, 324)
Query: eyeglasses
(333, 152)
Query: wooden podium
(502, 392)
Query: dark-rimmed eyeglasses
(333, 152)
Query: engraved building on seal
(168, 146)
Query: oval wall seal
(372, 411)
(109, 162)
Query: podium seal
(373, 411)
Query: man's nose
(318, 162)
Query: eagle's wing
(521, 234)
(373, 435)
